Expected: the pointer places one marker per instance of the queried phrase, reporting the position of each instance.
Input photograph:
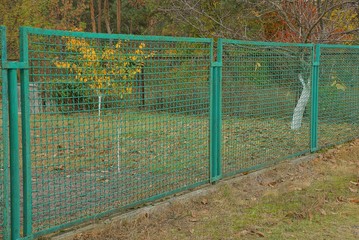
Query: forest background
(316, 21)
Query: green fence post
(25, 131)
(5, 132)
(216, 116)
(14, 154)
(314, 107)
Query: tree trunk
(93, 20)
(99, 107)
(99, 17)
(118, 14)
(107, 16)
(301, 104)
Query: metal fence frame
(313, 138)
(4, 215)
(215, 163)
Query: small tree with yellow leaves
(107, 70)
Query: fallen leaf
(193, 220)
(353, 190)
(260, 234)
(59, 168)
(243, 233)
(102, 180)
(310, 215)
(204, 201)
(355, 183)
(353, 200)
(322, 211)
(272, 184)
(191, 231)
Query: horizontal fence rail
(111, 121)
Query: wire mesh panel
(338, 94)
(115, 121)
(265, 97)
(4, 181)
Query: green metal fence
(338, 94)
(115, 121)
(261, 88)
(109, 122)
(4, 177)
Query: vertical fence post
(14, 154)
(216, 116)
(314, 107)
(25, 131)
(5, 135)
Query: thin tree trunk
(118, 149)
(301, 104)
(118, 14)
(93, 20)
(99, 107)
(107, 16)
(99, 17)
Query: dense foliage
(278, 20)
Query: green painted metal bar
(25, 120)
(272, 44)
(14, 155)
(314, 107)
(46, 32)
(17, 65)
(5, 132)
(215, 115)
(339, 46)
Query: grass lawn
(135, 139)
(82, 166)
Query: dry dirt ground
(300, 199)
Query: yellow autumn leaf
(340, 86)
(258, 65)
(98, 66)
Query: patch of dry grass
(306, 200)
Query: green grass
(313, 213)
(148, 153)
(81, 141)
(167, 141)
